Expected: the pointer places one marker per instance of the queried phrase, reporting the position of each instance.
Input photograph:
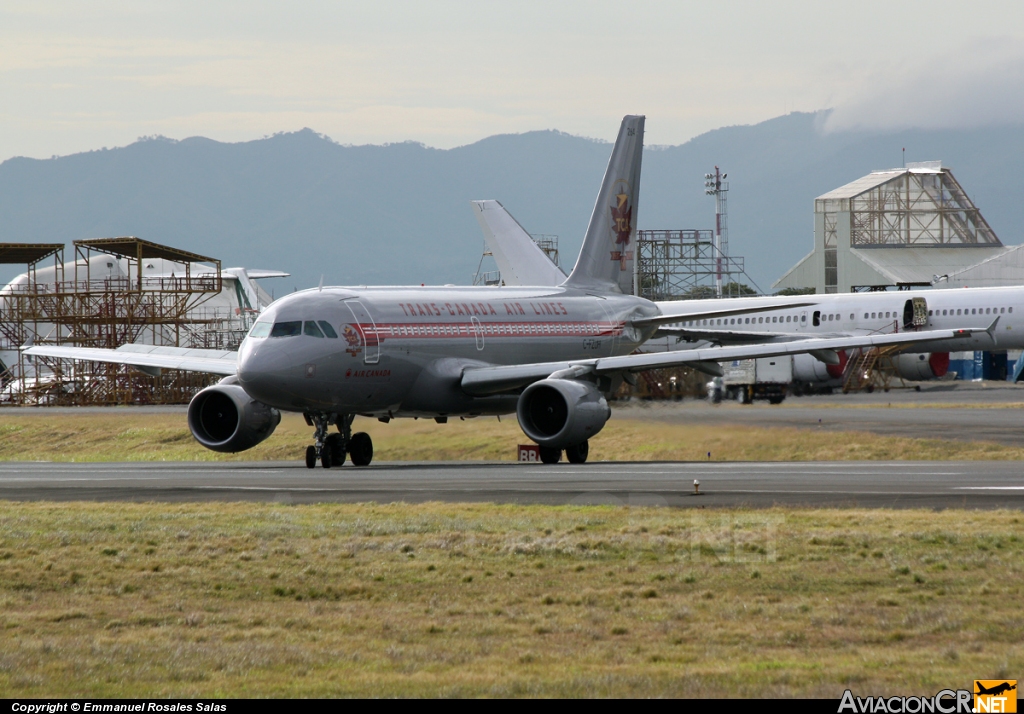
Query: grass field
(126, 435)
(379, 600)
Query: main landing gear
(332, 449)
(574, 454)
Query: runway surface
(844, 484)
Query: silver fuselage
(401, 351)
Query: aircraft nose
(255, 364)
(259, 366)
(247, 367)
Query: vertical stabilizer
(520, 260)
(606, 259)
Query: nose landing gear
(332, 449)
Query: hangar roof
(922, 264)
(1006, 268)
(877, 178)
(132, 247)
(11, 253)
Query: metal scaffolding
(685, 264)
(918, 208)
(87, 309)
(22, 310)
(548, 243)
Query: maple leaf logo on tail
(622, 224)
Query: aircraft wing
(735, 337)
(520, 260)
(149, 358)
(480, 381)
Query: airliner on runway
(550, 354)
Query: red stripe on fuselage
(442, 330)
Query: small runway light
(696, 487)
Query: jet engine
(808, 369)
(224, 418)
(921, 366)
(560, 413)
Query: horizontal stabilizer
(260, 274)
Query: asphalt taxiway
(893, 484)
(960, 411)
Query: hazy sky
(82, 75)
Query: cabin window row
(743, 321)
(972, 311)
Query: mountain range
(400, 214)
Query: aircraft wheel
(335, 444)
(550, 455)
(310, 457)
(578, 454)
(325, 456)
(360, 448)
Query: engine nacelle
(224, 418)
(921, 366)
(561, 412)
(808, 369)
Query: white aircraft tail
(606, 259)
(519, 258)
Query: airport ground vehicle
(767, 378)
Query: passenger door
(478, 331)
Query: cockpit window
(287, 329)
(328, 330)
(312, 330)
(261, 329)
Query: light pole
(716, 185)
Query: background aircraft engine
(561, 412)
(922, 366)
(808, 369)
(225, 418)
